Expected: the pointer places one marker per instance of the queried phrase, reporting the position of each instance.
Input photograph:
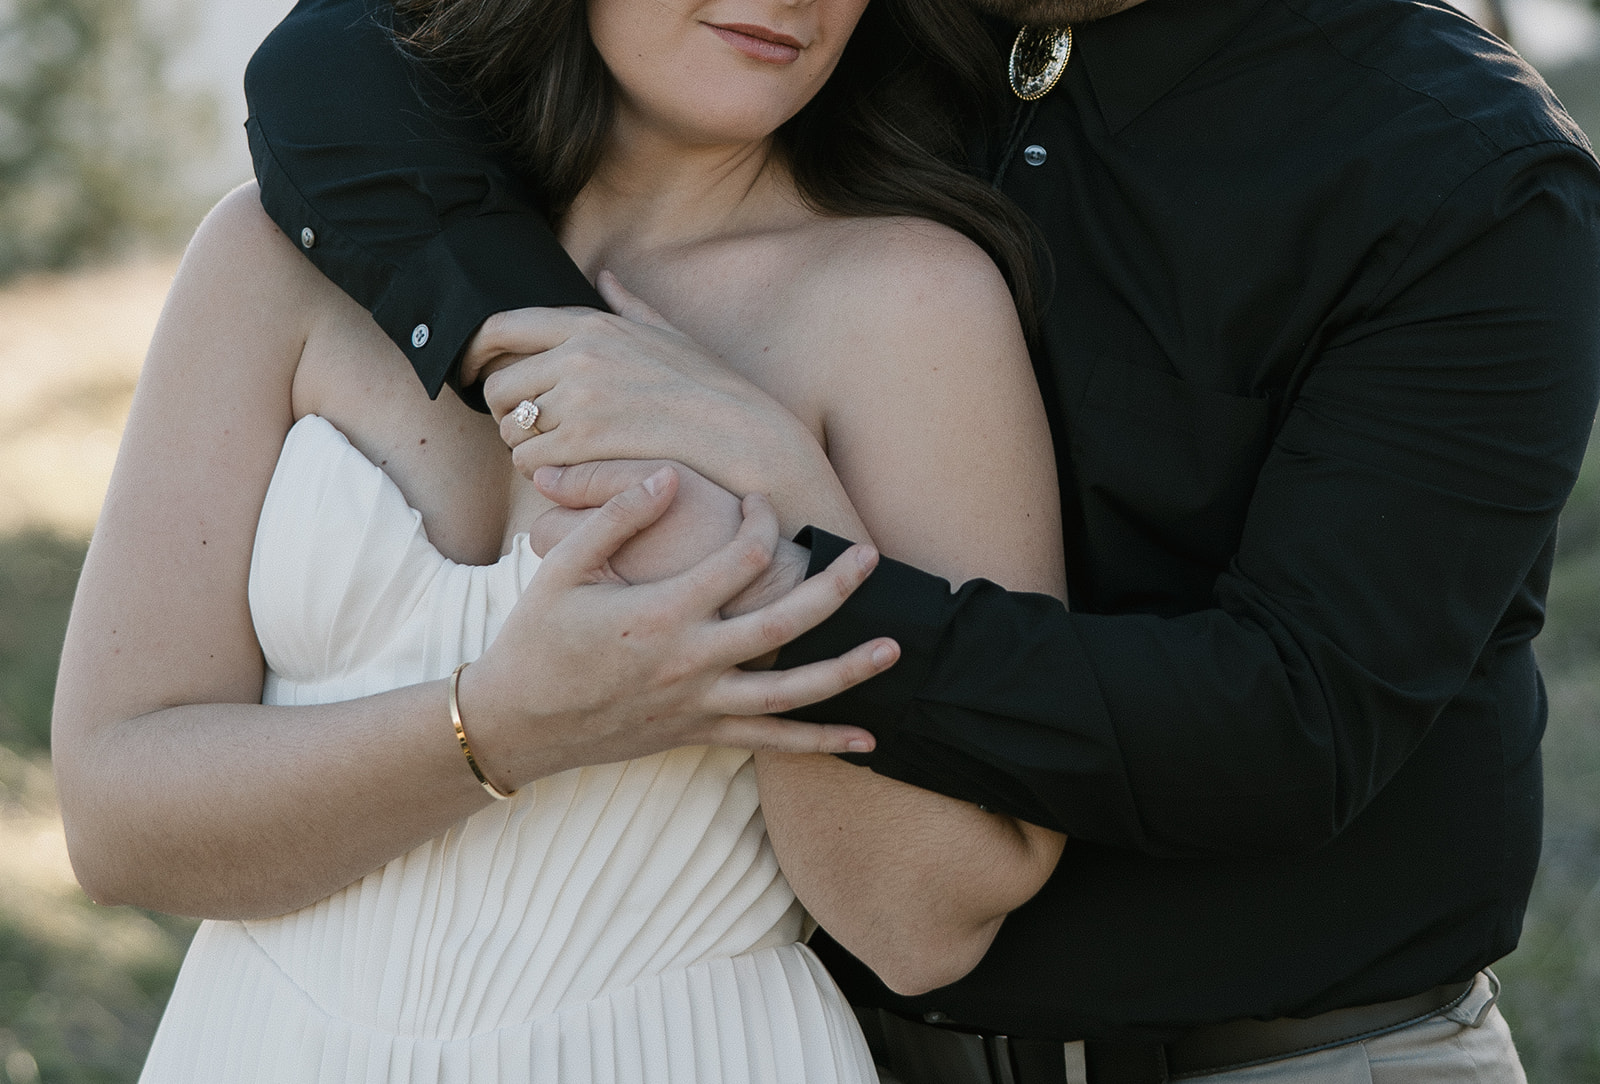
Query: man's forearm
(1390, 564)
(391, 186)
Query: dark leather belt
(920, 1053)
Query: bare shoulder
(911, 282)
(244, 304)
(239, 261)
(914, 324)
(910, 261)
(237, 227)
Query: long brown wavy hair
(884, 136)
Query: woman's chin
(734, 120)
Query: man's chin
(1052, 12)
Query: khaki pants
(1469, 1044)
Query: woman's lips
(759, 43)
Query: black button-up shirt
(1320, 357)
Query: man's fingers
(587, 549)
(813, 601)
(773, 692)
(625, 305)
(589, 485)
(766, 734)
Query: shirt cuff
(896, 600)
(475, 267)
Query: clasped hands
(662, 593)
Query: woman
(262, 709)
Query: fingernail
(866, 557)
(882, 655)
(653, 484)
(548, 477)
(859, 745)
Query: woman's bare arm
(180, 791)
(934, 425)
(941, 443)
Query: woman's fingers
(589, 485)
(763, 733)
(712, 582)
(514, 334)
(583, 555)
(742, 693)
(553, 525)
(795, 609)
(626, 305)
(525, 379)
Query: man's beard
(1051, 12)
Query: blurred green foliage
(38, 572)
(73, 1017)
(81, 987)
(93, 140)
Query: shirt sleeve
(392, 185)
(1394, 554)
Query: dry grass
(38, 892)
(69, 356)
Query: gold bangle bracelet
(461, 736)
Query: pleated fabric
(618, 923)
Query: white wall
(214, 39)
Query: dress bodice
(582, 882)
(607, 925)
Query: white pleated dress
(621, 923)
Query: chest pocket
(1164, 472)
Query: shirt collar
(1135, 57)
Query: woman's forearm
(913, 883)
(245, 810)
(792, 468)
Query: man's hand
(590, 669)
(703, 517)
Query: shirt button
(308, 237)
(419, 336)
(1035, 155)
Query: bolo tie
(1038, 57)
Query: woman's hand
(702, 518)
(180, 791)
(629, 670)
(631, 386)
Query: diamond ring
(526, 416)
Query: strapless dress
(617, 923)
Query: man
(1321, 360)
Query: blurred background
(120, 122)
